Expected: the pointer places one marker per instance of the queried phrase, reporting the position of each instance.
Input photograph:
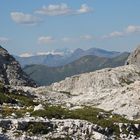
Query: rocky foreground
(26, 128)
(26, 117)
(100, 105)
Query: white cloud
(77, 39)
(26, 55)
(22, 18)
(132, 29)
(62, 9)
(114, 35)
(42, 53)
(45, 39)
(54, 10)
(127, 31)
(4, 40)
(51, 52)
(84, 9)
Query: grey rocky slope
(115, 89)
(134, 58)
(11, 72)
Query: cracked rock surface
(11, 72)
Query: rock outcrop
(92, 82)
(21, 129)
(11, 72)
(115, 89)
(134, 58)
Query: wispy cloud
(54, 10)
(84, 9)
(77, 39)
(62, 9)
(113, 35)
(4, 40)
(132, 29)
(45, 40)
(127, 31)
(26, 55)
(50, 52)
(42, 40)
(27, 19)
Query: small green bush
(52, 112)
(38, 128)
(23, 100)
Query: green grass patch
(86, 113)
(23, 100)
(6, 111)
(36, 128)
(15, 98)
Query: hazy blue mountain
(50, 60)
(45, 75)
(54, 60)
(102, 52)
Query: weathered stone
(114, 89)
(11, 72)
(134, 58)
(39, 107)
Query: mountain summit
(11, 72)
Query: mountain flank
(11, 72)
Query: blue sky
(32, 26)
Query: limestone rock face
(97, 81)
(134, 58)
(57, 129)
(73, 129)
(11, 72)
(115, 89)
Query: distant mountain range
(55, 60)
(45, 75)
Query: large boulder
(11, 72)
